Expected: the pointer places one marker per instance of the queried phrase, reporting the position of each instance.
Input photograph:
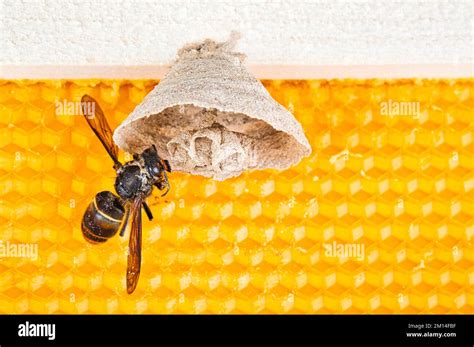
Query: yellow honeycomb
(399, 187)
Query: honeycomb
(398, 187)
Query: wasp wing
(135, 246)
(96, 119)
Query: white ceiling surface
(287, 32)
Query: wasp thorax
(129, 180)
(102, 218)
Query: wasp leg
(167, 185)
(147, 211)
(163, 183)
(125, 222)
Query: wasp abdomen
(102, 218)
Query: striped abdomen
(102, 218)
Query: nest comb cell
(209, 116)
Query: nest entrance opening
(210, 142)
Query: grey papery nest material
(209, 116)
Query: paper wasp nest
(210, 117)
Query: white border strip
(11, 72)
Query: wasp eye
(156, 170)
